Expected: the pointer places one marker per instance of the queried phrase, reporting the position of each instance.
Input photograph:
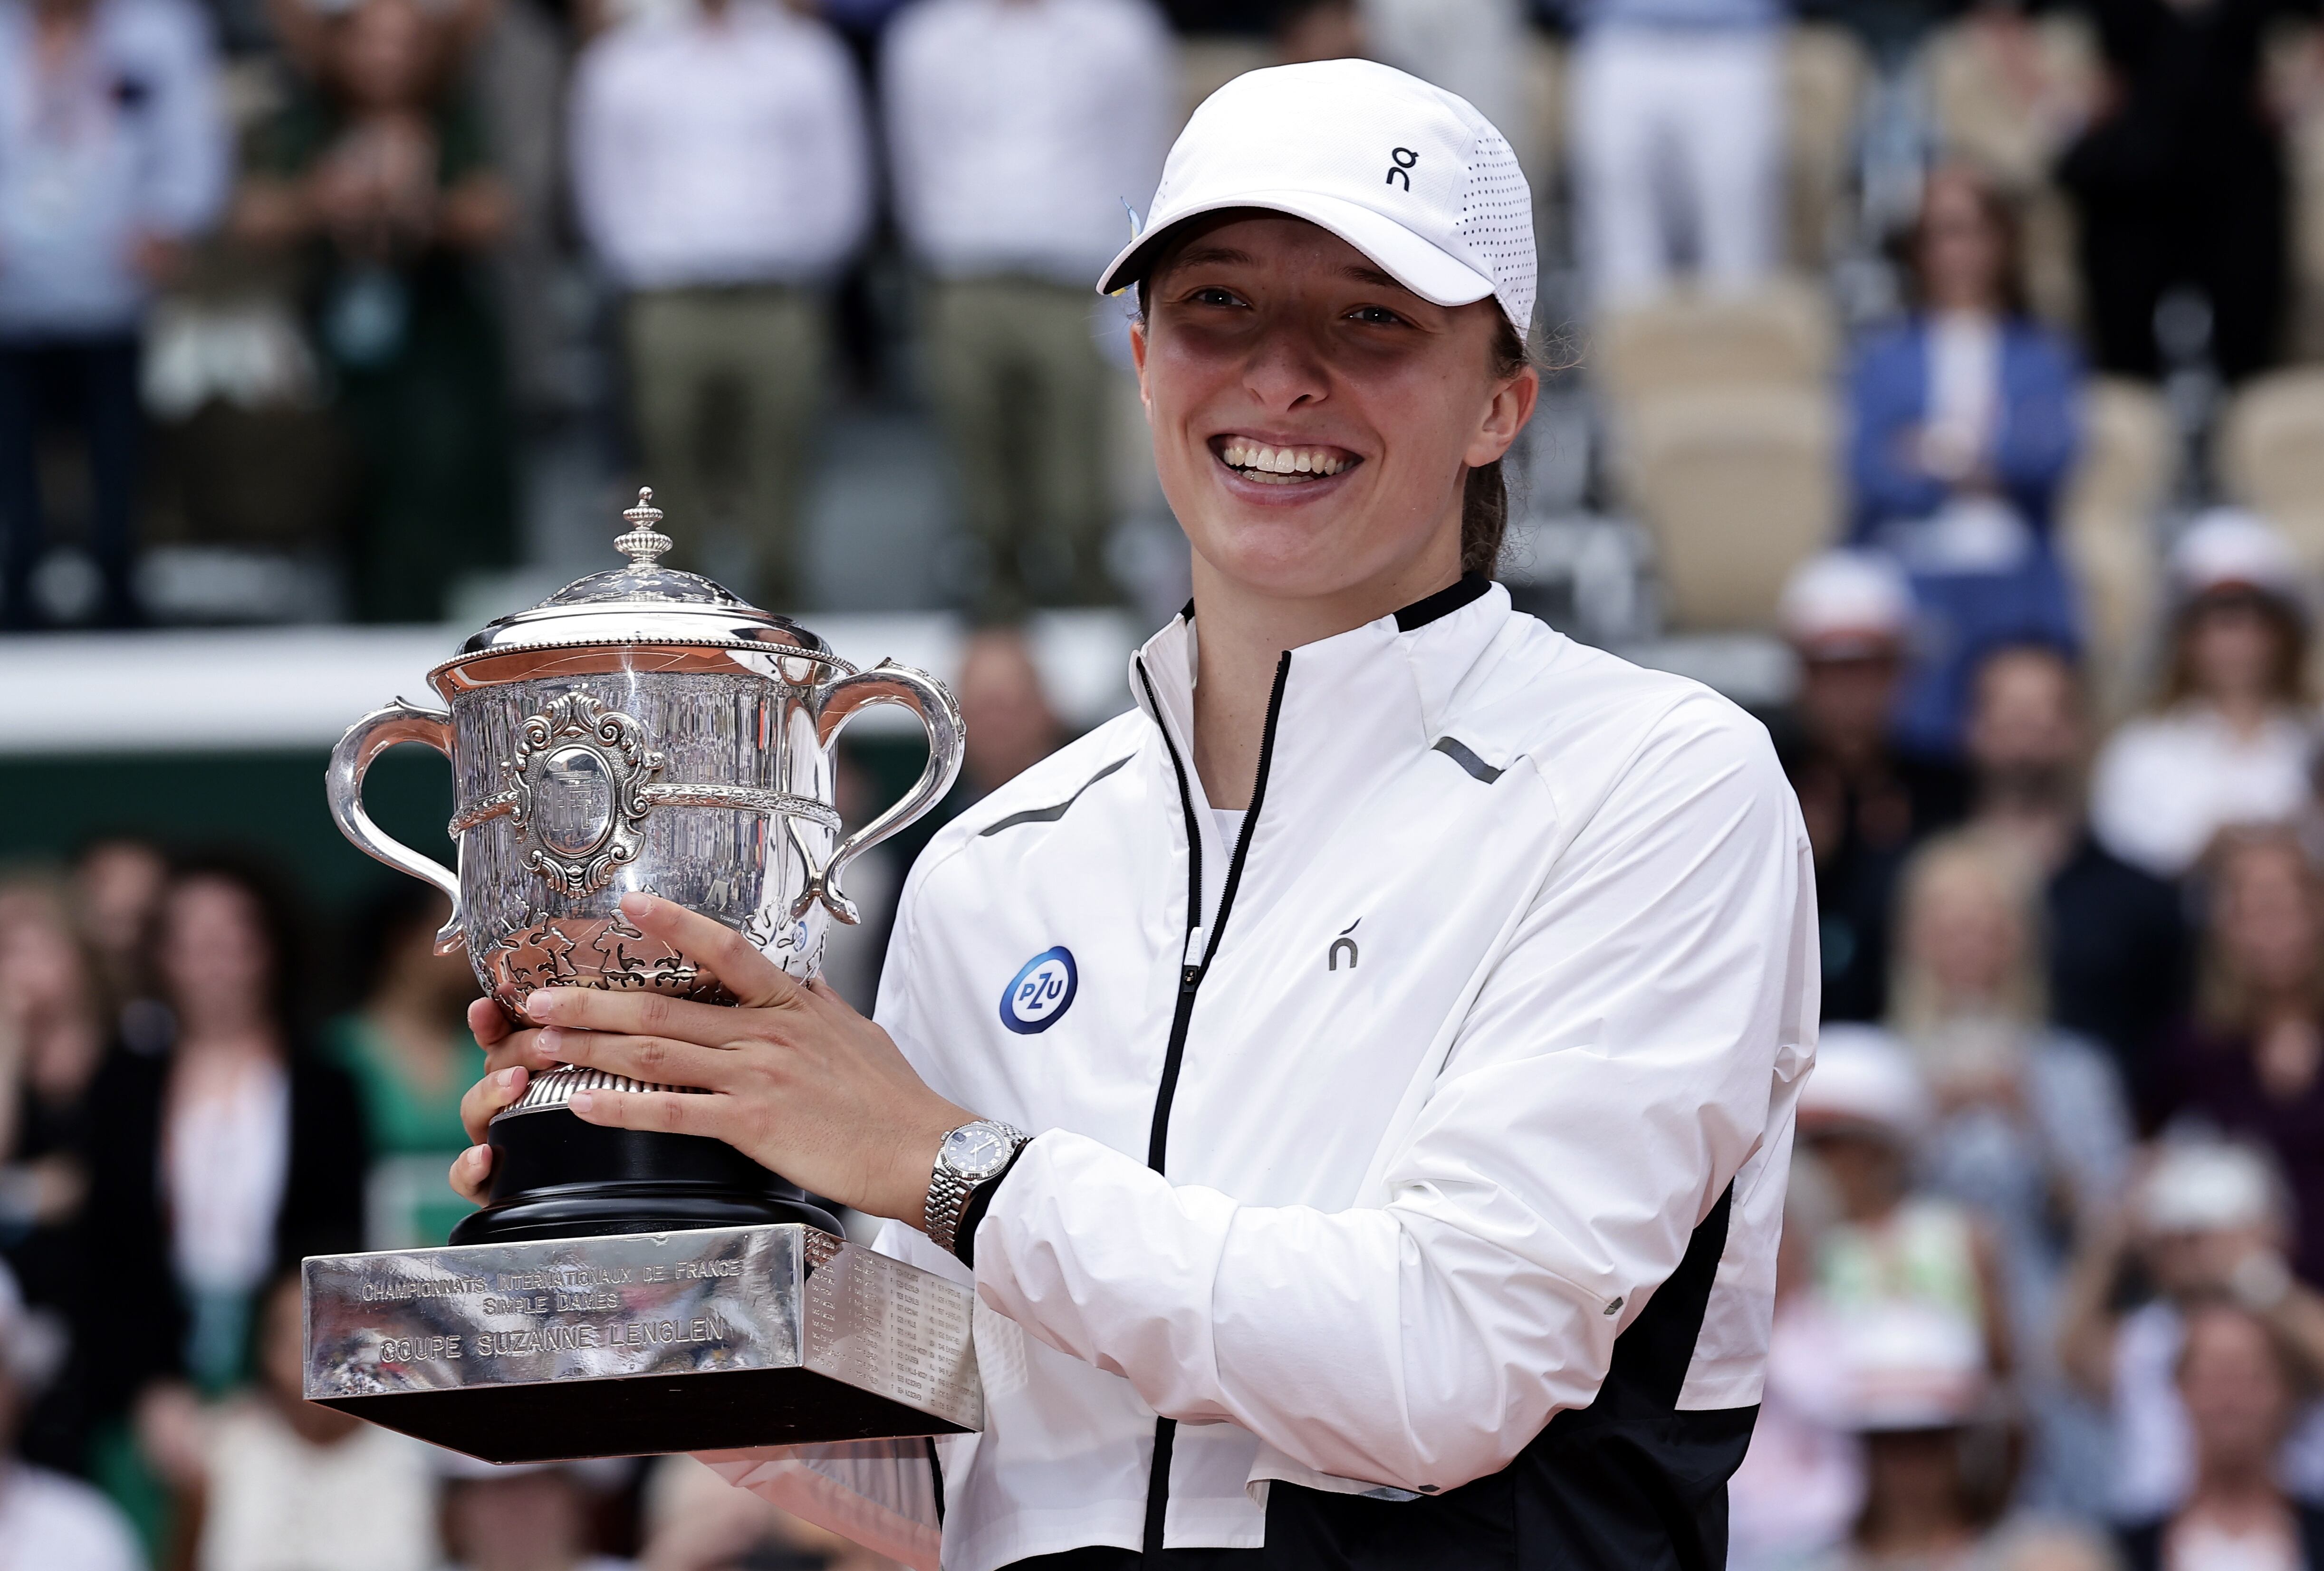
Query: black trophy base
(645, 1416)
(555, 1176)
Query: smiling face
(1313, 420)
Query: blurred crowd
(1966, 352)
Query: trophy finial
(644, 542)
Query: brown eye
(1375, 316)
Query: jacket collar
(1352, 701)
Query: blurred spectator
(721, 173)
(2248, 1063)
(2204, 1224)
(1913, 1382)
(1803, 1479)
(2116, 941)
(237, 1149)
(526, 1517)
(1024, 134)
(113, 155)
(378, 169)
(118, 884)
(287, 1485)
(2237, 1390)
(1859, 1115)
(54, 1031)
(697, 1522)
(1677, 125)
(1474, 48)
(2180, 181)
(2030, 1127)
(1847, 615)
(408, 1048)
(47, 1519)
(1319, 30)
(1009, 726)
(2230, 741)
(1964, 432)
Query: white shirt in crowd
(47, 1519)
(120, 138)
(720, 146)
(2166, 784)
(277, 1503)
(1023, 132)
(229, 1152)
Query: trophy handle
(369, 737)
(939, 711)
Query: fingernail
(637, 904)
(543, 1004)
(583, 1101)
(478, 1156)
(511, 1077)
(552, 1041)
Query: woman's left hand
(797, 1079)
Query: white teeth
(1255, 459)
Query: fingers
(472, 1174)
(655, 1060)
(489, 1095)
(635, 1015)
(519, 1049)
(488, 1023)
(755, 980)
(665, 1112)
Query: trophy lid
(644, 604)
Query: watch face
(976, 1151)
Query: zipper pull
(1191, 957)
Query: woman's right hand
(512, 1058)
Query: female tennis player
(1357, 1081)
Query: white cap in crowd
(1404, 171)
(1865, 1079)
(1911, 1366)
(2203, 1186)
(2230, 549)
(1845, 604)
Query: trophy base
(637, 1344)
(554, 1176)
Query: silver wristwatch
(970, 1155)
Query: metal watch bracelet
(949, 1190)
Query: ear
(1137, 358)
(1505, 414)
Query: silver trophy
(643, 729)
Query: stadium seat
(2107, 531)
(1736, 484)
(1825, 70)
(2271, 454)
(1782, 334)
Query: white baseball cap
(1406, 173)
(1843, 603)
(1864, 1077)
(2230, 549)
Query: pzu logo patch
(1039, 996)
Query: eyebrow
(1228, 256)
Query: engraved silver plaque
(637, 1344)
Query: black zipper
(1191, 973)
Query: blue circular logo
(1039, 994)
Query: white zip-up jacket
(1431, 1132)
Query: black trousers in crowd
(89, 383)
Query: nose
(1287, 368)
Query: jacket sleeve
(1635, 1041)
